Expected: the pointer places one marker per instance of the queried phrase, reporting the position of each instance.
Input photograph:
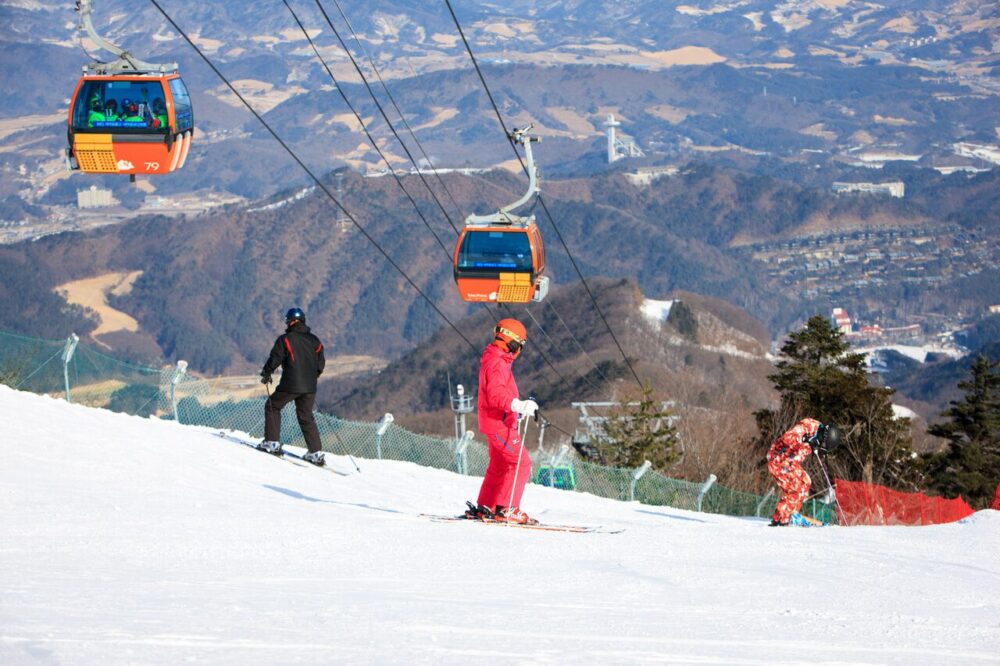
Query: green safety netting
(237, 403)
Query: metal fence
(82, 374)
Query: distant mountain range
(804, 83)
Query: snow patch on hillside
(656, 310)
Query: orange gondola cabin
(130, 123)
(500, 258)
(500, 264)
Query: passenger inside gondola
(102, 111)
(110, 110)
(159, 113)
(96, 115)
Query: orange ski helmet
(512, 334)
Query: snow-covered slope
(127, 540)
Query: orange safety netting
(868, 504)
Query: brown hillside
(724, 369)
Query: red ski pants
(794, 484)
(500, 483)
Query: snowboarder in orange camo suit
(784, 462)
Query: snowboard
(799, 520)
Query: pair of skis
(288, 456)
(544, 527)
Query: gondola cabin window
(495, 250)
(123, 106)
(182, 105)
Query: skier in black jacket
(299, 353)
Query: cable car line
(385, 116)
(388, 165)
(364, 128)
(548, 214)
(579, 346)
(310, 173)
(402, 117)
(371, 92)
(544, 356)
(361, 122)
(326, 191)
(392, 99)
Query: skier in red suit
(500, 409)
(784, 462)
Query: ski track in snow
(130, 540)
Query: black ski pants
(303, 412)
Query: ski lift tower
(342, 221)
(619, 148)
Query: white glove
(524, 407)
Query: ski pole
(517, 469)
(836, 500)
(346, 452)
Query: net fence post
(383, 425)
(709, 482)
(636, 475)
(179, 373)
(556, 460)
(763, 501)
(461, 455)
(67, 356)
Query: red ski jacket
(792, 447)
(496, 391)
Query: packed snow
(140, 541)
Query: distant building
(894, 188)
(646, 175)
(94, 197)
(877, 159)
(994, 309)
(842, 321)
(983, 152)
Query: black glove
(265, 378)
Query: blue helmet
(293, 315)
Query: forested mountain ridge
(213, 287)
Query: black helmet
(828, 437)
(295, 314)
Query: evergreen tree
(819, 377)
(136, 399)
(683, 320)
(970, 464)
(640, 430)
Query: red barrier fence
(867, 504)
(996, 499)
